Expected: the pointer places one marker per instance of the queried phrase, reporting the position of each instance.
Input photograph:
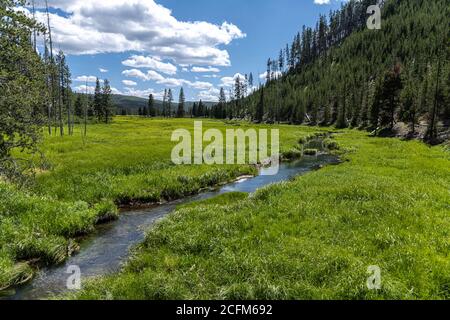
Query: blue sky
(145, 46)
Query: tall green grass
(387, 205)
(130, 160)
(37, 228)
(84, 181)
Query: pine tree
(222, 104)
(250, 82)
(60, 89)
(169, 103)
(164, 105)
(195, 110)
(341, 121)
(446, 91)
(181, 102)
(79, 106)
(107, 108)
(376, 105)
(237, 88)
(431, 134)
(327, 115)
(22, 89)
(98, 101)
(51, 71)
(409, 105)
(322, 35)
(151, 106)
(287, 58)
(201, 109)
(244, 89)
(390, 96)
(260, 107)
(281, 61)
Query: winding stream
(104, 251)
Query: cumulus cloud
(152, 75)
(143, 93)
(209, 95)
(92, 27)
(230, 81)
(115, 91)
(320, 2)
(89, 79)
(129, 83)
(203, 69)
(103, 70)
(154, 63)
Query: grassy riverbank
(125, 162)
(387, 205)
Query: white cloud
(103, 70)
(201, 85)
(320, 2)
(115, 91)
(209, 95)
(143, 93)
(154, 63)
(89, 79)
(129, 83)
(150, 75)
(203, 69)
(92, 27)
(230, 81)
(170, 82)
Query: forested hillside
(345, 74)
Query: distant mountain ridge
(133, 104)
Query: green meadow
(84, 181)
(386, 205)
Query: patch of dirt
(403, 130)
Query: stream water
(104, 251)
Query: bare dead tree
(60, 94)
(86, 110)
(52, 64)
(47, 82)
(34, 29)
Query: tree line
(63, 105)
(169, 109)
(96, 106)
